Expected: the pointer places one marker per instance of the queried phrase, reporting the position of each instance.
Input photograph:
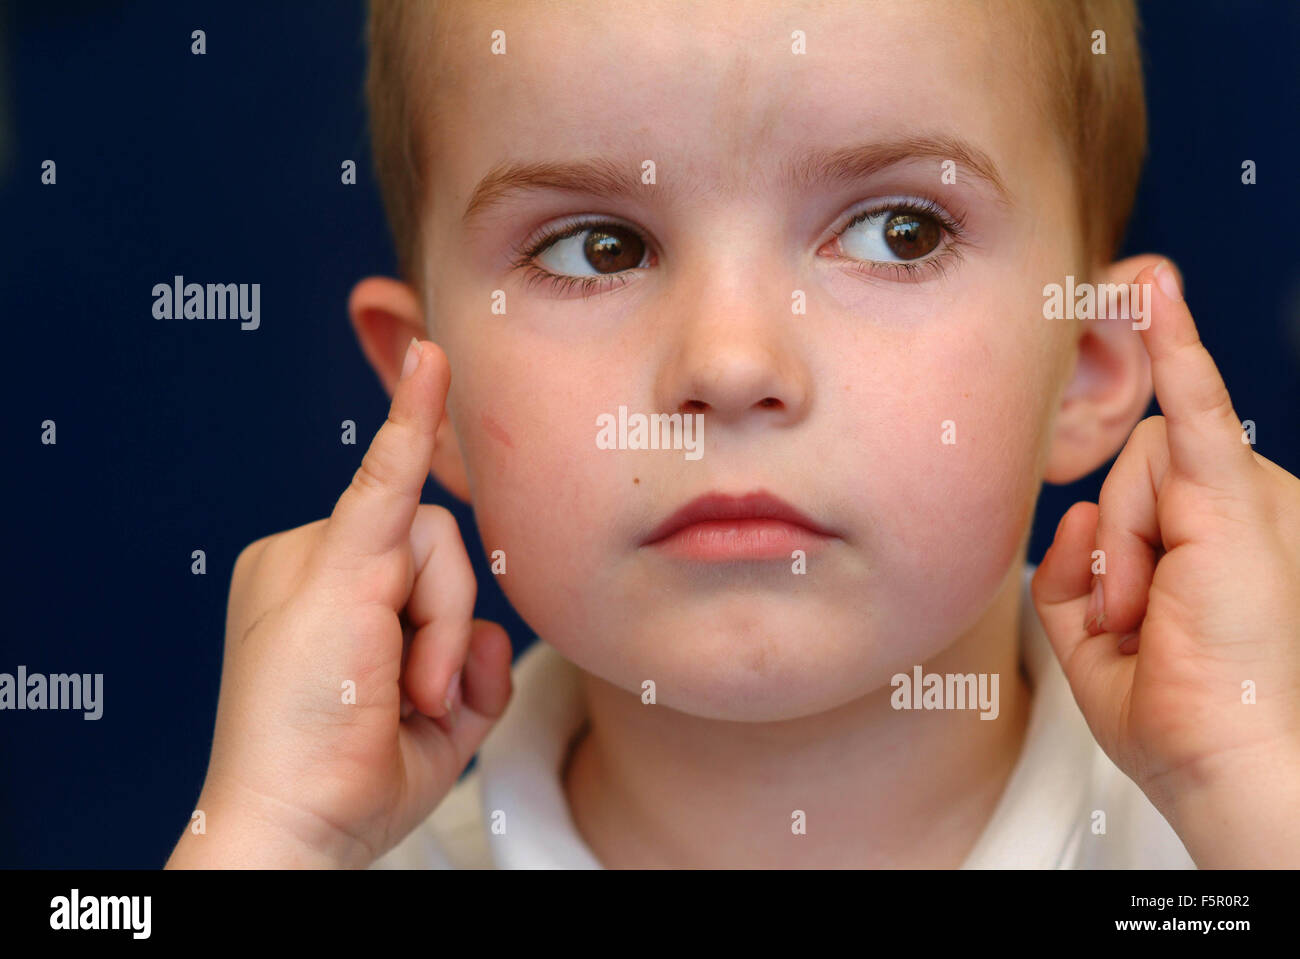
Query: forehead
(716, 88)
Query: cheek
(543, 493)
(949, 472)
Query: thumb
(1100, 676)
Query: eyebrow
(605, 178)
(860, 162)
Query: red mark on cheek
(496, 431)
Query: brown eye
(895, 235)
(610, 250)
(911, 235)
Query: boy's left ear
(1110, 387)
(385, 314)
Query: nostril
(770, 402)
(694, 406)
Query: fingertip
(1077, 524)
(491, 644)
(487, 684)
(1077, 513)
(1064, 572)
(412, 360)
(422, 356)
(435, 353)
(1177, 325)
(432, 372)
(1169, 280)
(421, 391)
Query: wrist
(1238, 811)
(243, 831)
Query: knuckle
(1153, 427)
(469, 598)
(382, 465)
(314, 531)
(374, 472)
(1219, 403)
(448, 536)
(268, 564)
(248, 560)
(441, 519)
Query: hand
(1199, 605)
(380, 595)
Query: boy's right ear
(385, 314)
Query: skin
(781, 679)
(772, 689)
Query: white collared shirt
(1045, 819)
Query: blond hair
(1095, 100)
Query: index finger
(1204, 433)
(375, 512)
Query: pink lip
(721, 527)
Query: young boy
(837, 236)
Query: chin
(762, 661)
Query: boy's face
(911, 336)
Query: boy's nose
(736, 353)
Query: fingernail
(1168, 282)
(1096, 606)
(412, 358)
(1126, 644)
(453, 692)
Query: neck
(879, 787)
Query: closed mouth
(754, 525)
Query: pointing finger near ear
(1203, 429)
(373, 516)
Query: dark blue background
(176, 436)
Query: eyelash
(534, 274)
(949, 251)
(953, 227)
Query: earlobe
(385, 315)
(1110, 388)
